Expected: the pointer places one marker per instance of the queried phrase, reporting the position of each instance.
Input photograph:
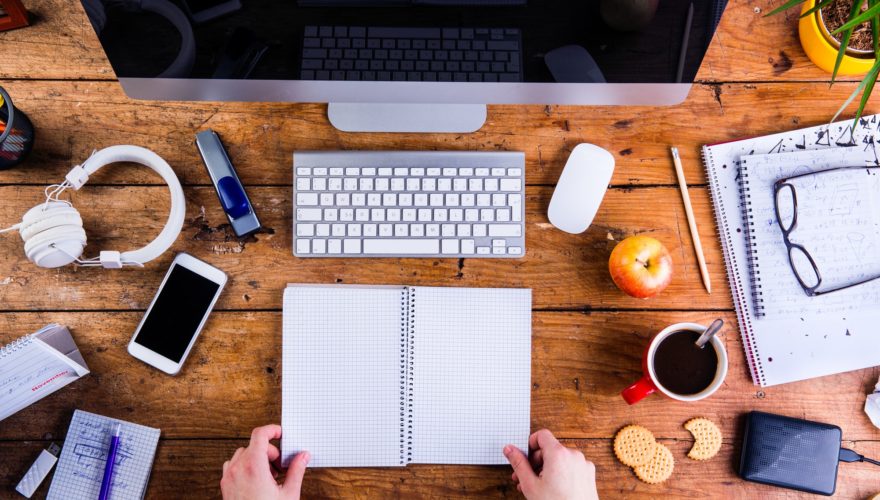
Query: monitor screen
(455, 41)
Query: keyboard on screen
(411, 54)
(409, 204)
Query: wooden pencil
(692, 221)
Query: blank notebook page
(341, 375)
(472, 374)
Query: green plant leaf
(872, 11)
(816, 7)
(787, 5)
(866, 94)
(844, 40)
(870, 78)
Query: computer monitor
(407, 65)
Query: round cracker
(659, 468)
(634, 445)
(707, 438)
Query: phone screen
(177, 313)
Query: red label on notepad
(40, 386)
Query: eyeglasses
(802, 263)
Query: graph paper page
(341, 375)
(84, 457)
(472, 374)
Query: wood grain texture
(74, 118)
(190, 469)
(566, 271)
(580, 363)
(588, 337)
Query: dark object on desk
(201, 11)
(232, 196)
(240, 55)
(16, 133)
(790, 453)
(12, 15)
(573, 64)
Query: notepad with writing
(392, 375)
(84, 458)
(36, 365)
(783, 348)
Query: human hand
(552, 472)
(248, 475)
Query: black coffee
(682, 367)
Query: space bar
(401, 247)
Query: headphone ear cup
(58, 254)
(54, 236)
(62, 218)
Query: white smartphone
(177, 314)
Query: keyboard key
(450, 246)
(337, 229)
(303, 184)
(515, 202)
(303, 246)
(483, 250)
(511, 185)
(319, 246)
(322, 229)
(334, 246)
(467, 247)
(352, 246)
(305, 229)
(505, 230)
(386, 230)
(401, 246)
(306, 199)
(308, 214)
(498, 251)
(354, 229)
(417, 230)
(401, 230)
(370, 229)
(447, 230)
(514, 251)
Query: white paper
(472, 374)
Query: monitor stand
(394, 117)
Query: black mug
(16, 133)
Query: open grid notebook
(391, 375)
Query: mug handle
(640, 390)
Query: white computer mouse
(580, 188)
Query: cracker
(707, 438)
(634, 445)
(659, 468)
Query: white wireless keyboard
(408, 204)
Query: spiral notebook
(84, 457)
(36, 365)
(838, 217)
(791, 347)
(392, 375)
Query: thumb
(521, 466)
(294, 478)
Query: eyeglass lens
(785, 206)
(803, 267)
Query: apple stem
(644, 263)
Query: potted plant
(843, 38)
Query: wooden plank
(580, 363)
(747, 47)
(565, 270)
(197, 464)
(74, 118)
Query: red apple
(640, 266)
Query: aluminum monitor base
(399, 117)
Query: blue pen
(108, 470)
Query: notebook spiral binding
(749, 221)
(407, 342)
(736, 286)
(15, 345)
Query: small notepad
(391, 375)
(36, 365)
(84, 457)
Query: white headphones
(53, 231)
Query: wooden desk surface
(588, 336)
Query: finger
(520, 465)
(236, 454)
(536, 458)
(542, 439)
(225, 466)
(294, 479)
(514, 478)
(261, 436)
(272, 453)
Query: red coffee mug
(648, 384)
